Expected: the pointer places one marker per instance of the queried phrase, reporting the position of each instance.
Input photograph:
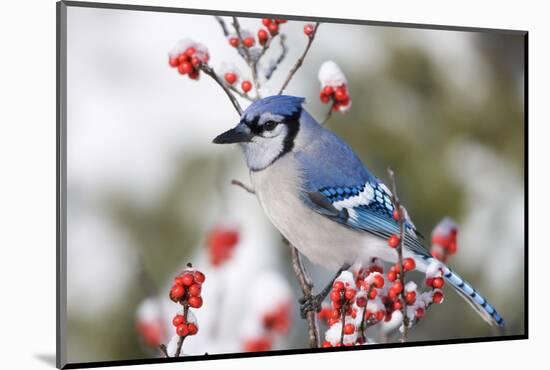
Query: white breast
(321, 240)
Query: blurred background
(148, 192)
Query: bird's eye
(270, 125)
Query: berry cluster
(187, 56)
(186, 291)
(221, 242)
(444, 238)
(367, 297)
(339, 96)
(231, 76)
(272, 25)
(334, 87)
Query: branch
(401, 213)
(222, 25)
(242, 95)
(181, 339)
(327, 117)
(279, 60)
(251, 63)
(300, 60)
(210, 72)
(245, 187)
(164, 351)
(307, 286)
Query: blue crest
(283, 105)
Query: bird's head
(267, 130)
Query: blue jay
(321, 197)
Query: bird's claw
(310, 303)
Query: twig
(163, 350)
(307, 287)
(210, 72)
(300, 60)
(401, 213)
(249, 60)
(222, 25)
(343, 319)
(327, 117)
(245, 187)
(280, 58)
(181, 339)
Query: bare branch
(280, 58)
(181, 339)
(245, 187)
(222, 25)
(307, 287)
(300, 60)
(210, 72)
(163, 350)
(400, 247)
(327, 117)
(241, 94)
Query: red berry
(378, 281)
(393, 241)
(338, 285)
(190, 51)
(195, 302)
(174, 62)
(409, 264)
(328, 90)
(437, 297)
(361, 302)
(266, 21)
(248, 42)
(185, 67)
(308, 29)
(273, 28)
(379, 315)
(419, 313)
(192, 328)
(373, 293)
(246, 86)
(195, 61)
(397, 286)
(187, 279)
(392, 275)
(176, 292)
(326, 344)
(199, 277)
(349, 294)
(396, 215)
(194, 74)
(182, 330)
(230, 78)
(340, 94)
(397, 305)
(234, 41)
(438, 283)
(429, 281)
(335, 296)
(349, 329)
(280, 21)
(410, 297)
(262, 36)
(178, 320)
(324, 98)
(334, 314)
(183, 58)
(195, 290)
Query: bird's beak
(238, 134)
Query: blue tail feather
(466, 291)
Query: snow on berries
(334, 87)
(186, 291)
(444, 237)
(187, 56)
(221, 241)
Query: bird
(322, 198)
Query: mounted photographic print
(239, 184)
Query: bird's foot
(310, 303)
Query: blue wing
(338, 186)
